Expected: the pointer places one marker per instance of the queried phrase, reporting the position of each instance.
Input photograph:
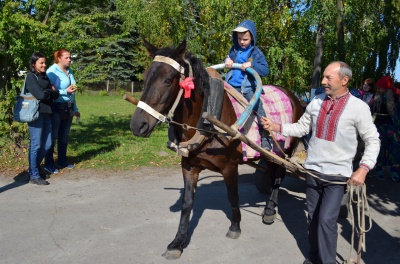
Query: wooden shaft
(267, 154)
(130, 99)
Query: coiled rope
(358, 195)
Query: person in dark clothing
(38, 84)
(384, 112)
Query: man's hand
(268, 124)
(358, 177)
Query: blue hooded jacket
(255, 56)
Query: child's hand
(228, 63)
(246, 65)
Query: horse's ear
(151, 50)
(181, 49)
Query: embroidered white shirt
(335, 125)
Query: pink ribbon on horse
(187, 85)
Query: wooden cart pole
(267, 154)
(130, 99)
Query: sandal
(380, 175)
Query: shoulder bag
(26, 108)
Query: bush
(14, 136)
(103, 93)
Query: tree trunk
(4, 73)
(48, 12)
(340, 31)
(319, 46)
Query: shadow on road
(381, 246)
(213, 196)
(21, 179)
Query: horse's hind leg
(272, 203)
(190, 178)
(231, 174)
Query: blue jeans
(258, 107)
(40, 143)
(60, 133)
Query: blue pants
(323, 207)
(60, 134)
(258, 107)
(40, 143)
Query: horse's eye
(168, 81)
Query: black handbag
(66, 110)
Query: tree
(102, 49)
(21, 33)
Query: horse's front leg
(231, 180)
(269, 212)
(190, 178)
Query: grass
(103, 140)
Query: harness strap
(239, 99)
(170, 62)
(177, 100)
(151, 111)
(174, 64)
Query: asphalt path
(87, 216)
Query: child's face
(244, 39)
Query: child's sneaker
(380, 175)
(393, 174)
(51, 170)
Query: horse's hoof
(233, 234)
(172, 254)
(268, 219)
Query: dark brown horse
(216, 152)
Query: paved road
(130, 217)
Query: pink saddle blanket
(277, 106)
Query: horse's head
(161, 86)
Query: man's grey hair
(345, 70)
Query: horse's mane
(201, 77)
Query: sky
(397, 72)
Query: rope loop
(358, 196)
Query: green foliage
(104, 38)
(103, 93)
(101, 48)
(102, 139)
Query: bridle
(174, 64)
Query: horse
(215, 152)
